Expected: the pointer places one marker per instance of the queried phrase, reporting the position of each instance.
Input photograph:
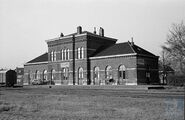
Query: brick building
(85, 58)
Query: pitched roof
(141, 51)
(123, 48)
(41, 58)
(116, 49)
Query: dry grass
(62, 104)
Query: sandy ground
(90, 103)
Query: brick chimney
(94, 30)
(101, 32)
(132, 41)
(61, 35)
(79, 30)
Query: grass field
(96, 103)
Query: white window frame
(61, 53)
(80, 73)
(82, 52)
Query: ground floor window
(121, 74)
(37, 74)
(52, 74)
(108, 72)
(65, 74)
(96, 75)
(45, 75)
(80, 74)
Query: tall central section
(69, 55)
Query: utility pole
(73, 40)
(164, 70)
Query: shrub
(176, 80)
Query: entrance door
(64, 75)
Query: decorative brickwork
(72, 60)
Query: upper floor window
(65, 54)
(55, 56)
(52, 55)
(68, 53)
(80, 53)
(61, 53)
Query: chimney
(79, 30)
(94, 30)
(61, 35)
(132, 41)
(101, 32)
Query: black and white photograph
(92, 59)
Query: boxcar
(11, 78)
(3, 76)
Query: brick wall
(150, 67)
(30, 70)
(128, 61)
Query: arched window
(96, 73)
(121, 72)
(52, 74)
(30, 75)
(45, 75)
(80, 73)
(37, 74)
(108, 72)
(65, 73)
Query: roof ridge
(131, 47)
(37, 59)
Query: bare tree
(175, 47)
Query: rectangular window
(79, 53)
(52, 56)
(55, 56)
(64, 55)
(68, 53)
(61, 54)
(82, 52)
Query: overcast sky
(26, 24)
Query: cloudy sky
(26, 24)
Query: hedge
(176, 80)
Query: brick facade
(72, 60)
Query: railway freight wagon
(3, 76)
(8, 77)
(11, 78)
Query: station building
(88, 58)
